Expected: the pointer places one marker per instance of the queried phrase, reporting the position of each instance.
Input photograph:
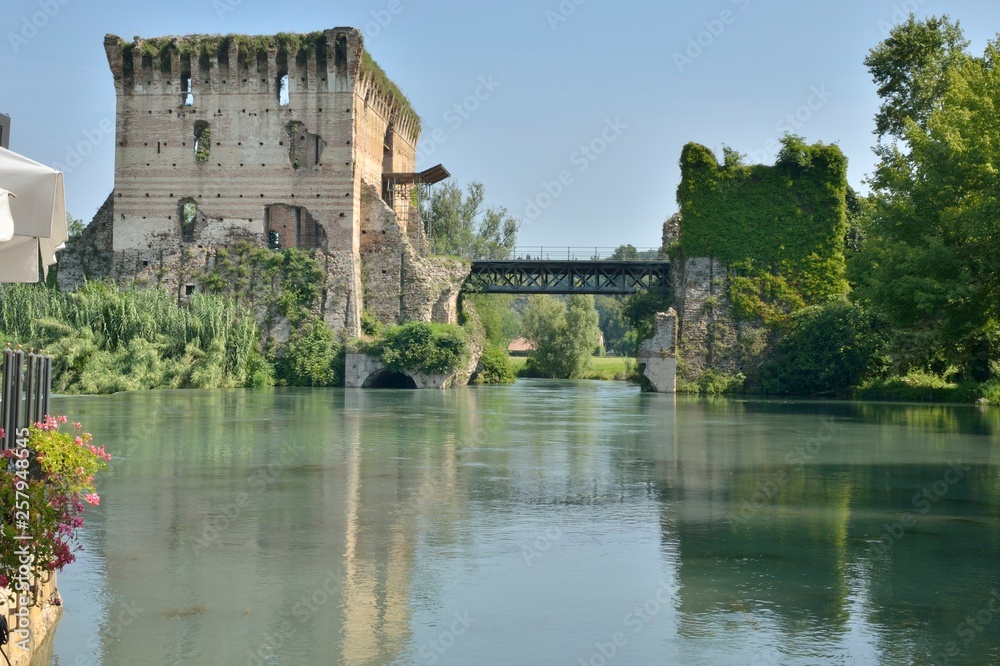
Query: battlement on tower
(181, 68)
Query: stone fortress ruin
(277, 141)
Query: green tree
(911, 69)
(631, 253)
(311, 357)
(499, 317)
(565, 335)
(830, 348)
(931, 260)
(74, 226)
(459, 224)
(613, 325)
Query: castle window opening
(187, 91)
(284, 96)
(202, 141)
(188, 216)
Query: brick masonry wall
(399, 284)
(299, 170)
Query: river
(547, 522)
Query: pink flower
(77, 426)
(93, 499)
(62, 419)
(3, 581)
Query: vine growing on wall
(780, 228)
(287, 284)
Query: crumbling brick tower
(266, 139)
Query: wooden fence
(25, 392)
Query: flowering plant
(44, 483)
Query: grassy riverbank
(609, 368)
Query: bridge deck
(567, 277)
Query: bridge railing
(550, 253)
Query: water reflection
(540, 523)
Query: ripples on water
(541, 523)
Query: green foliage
(396, 97)
(422, 347)
(74, 226)
(613, 324)
(497, 368)
(911, 69)
(784, 224)
(44, 483)
(500, 319)
(639, 310)
(565, 336)
(370, 325)
(311, 357)
(459, 226)
(918, 386)
(830, 348)
(292, 281)
(204, 141)
(207, 45)
(930, 263)
(106, 339)
(630, 253)
(714, 382)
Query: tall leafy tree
(910, 69)
(931, 260)
(461, 225)
(565, 335)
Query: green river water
(540, 523)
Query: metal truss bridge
(568, 276)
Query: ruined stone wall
(658, 356)
(269, 141)
(87, 256)
(400, 285)
(249, 163)
(208, 123)
(707, 338)
(710, 336)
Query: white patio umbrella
(33, 221)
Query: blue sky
(573, 113)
